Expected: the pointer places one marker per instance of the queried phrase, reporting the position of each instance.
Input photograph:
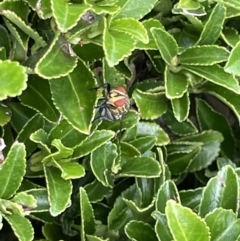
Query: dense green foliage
(169, 170)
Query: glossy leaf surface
(12, 170)
(78, 96)
(13, 79)
(185, 224)
(56, 186)
(225, 194)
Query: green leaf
(87, 216)
(26, 185)
(221, 191)
(179, 162)
(120, 214)
(44, 10)
(41, 196)
(130, 134)
(144, 143)
(5, 40)
(21, 42)
(116, 45)
(157, 62)
(128, 151)
(204, 55)
(230, 36)
(95, 238)
(105, 3)
(61, 153)
(223, 224)
(44, 217)
(5, 116)
(35, 123)
(40, 137)
(209, 119)
(94, 141)
(148, 24)
(185, 224)
(138, 230)
(102, 161)
(233, 64)
(233, 3)
(56, 186)
(181, 147)
(147, 187)
(12, 170)
(156, 104)
(38, 97)
(128, 121)
(165, 174)
(13, 79)
(152, 129)
(20, 8)
(167, 191)
(132, 27)
(67, 14)
(191, 198)
(216, 75)
(175, 84)
(210, 145)
(111, 75)
(139, 211)
(52, 231)
(96, 191)
(141, 167)
(77, 103)
(20, 115)
(69, 136)
(9, 207)
(70, 170)
(232, 11)
(228, 97)
(181, 107)
(100, 8)
(51, 63)
(21, 226)
(24, 199)
(2, 53)
(13, 17)
(213, 27)
(139, 10)
(223, 161)
(161, 227)
(166, 44)
(179, 128)
(7, 134)
(88, 52)
(188, 4)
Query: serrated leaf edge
(23, 71)
(37, 38)
(145, 39)
(46, 54)
(49, 200)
